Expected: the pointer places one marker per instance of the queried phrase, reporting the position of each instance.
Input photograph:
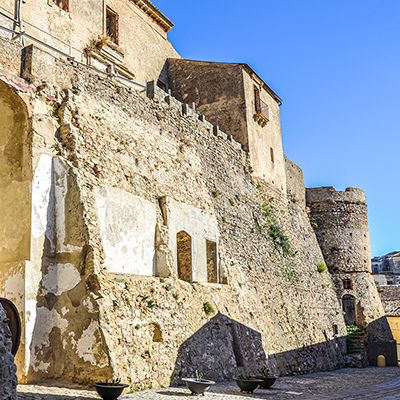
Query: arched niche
(15, 196)
(184, 255)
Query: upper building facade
(130, 35)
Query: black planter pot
(198, 387)
(107, 391)
(268, 381)
(248, 385)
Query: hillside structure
(151, 224)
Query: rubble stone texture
(8, 377)
(140, 241)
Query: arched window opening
(349, 309)
(184, 255)
(212, 265)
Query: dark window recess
(184, 255)
(272, 154)
(63, 4)
(112, 25)
(257, 100)
(347, 284)
(212, 265)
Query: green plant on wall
(321, 267)
(272, 229)
(208, 308)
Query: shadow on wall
(380, 341)
(224, 348)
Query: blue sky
(336, 65)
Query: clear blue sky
(336, 65)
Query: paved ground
(350, 384)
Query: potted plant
(198, 385)
(268, 380)
(109, 390)
(247, 383)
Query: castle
(151, 224)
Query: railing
(23, 35)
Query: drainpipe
(21, 23)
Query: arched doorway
(349, 309)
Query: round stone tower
(340, 222)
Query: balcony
(261, 115)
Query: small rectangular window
(212, 262)
(347, 284)
(112, 29)
(272, 154)
(63, 4)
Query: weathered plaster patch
(128, 231)
(88, 345)
(46, 320)
(41, 188)
(60, 278)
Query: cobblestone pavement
(350, 384)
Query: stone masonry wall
(274, 308)
(8, 377)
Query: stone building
(135, 231)
(235, 98)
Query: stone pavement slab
(350, 384)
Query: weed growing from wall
(208, 308)
(272, 229)
(321, 267)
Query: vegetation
(321, 267)
(208, 308)
(232, 201)
(351, 329)
(264, 371)
(199, 375)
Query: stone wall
(225, 94)
(8, 377)
(80, 30)
(100, 146)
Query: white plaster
(88, 304)
(46, 320)
(127, 226)
(200, 225)
(60, 278)
(87, 346)
(41, 206)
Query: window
(272, 155)
(347, 284)
(63, 4)
(212, 270)
(184, 255)
(112, 25)
(257, 100)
